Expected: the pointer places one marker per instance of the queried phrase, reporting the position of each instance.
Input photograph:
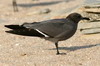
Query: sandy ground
(32, 51)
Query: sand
(33, 51)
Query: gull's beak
(85, 18)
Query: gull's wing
(51, 27)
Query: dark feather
(14, 26)
(20, 30)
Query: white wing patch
(42, 33)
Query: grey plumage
(54, 30)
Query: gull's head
(76, 17)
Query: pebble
(17, 44)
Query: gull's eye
(78, 16)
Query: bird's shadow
(73, 48)
(39, 4)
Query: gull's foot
(61, 54)
(57, 53)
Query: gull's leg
(56, 44)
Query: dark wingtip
(6, 26)
(9, 26)
(14, 26)
(8, 31)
